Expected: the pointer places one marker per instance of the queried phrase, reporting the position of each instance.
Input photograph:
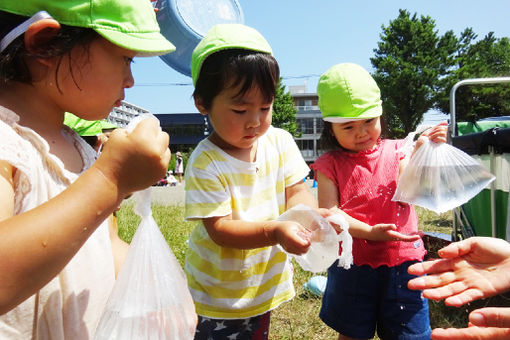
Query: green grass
(297, 319)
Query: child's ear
(39, 33)
(200, 106)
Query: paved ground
(175, 195)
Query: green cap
(348, 92)
(223, 37)
(130, 24)
(87, 127)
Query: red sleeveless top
(366, 182)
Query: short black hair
(234, 68)
(12, 59)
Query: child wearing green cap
(238, 181)
(57, 267)
(359, 176)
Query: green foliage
(416, 68)
(488, 57)
(284, 112)
(409, 61)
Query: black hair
(327, 139)
(234, 68)
(12, 60)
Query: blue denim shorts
(362, 299)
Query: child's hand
(134, 161)
(387, 232)
(330, 212)
(293, 237)
(436, 134)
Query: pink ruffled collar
(363, 153)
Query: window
(305, 125)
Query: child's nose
(361, 132)
(253, 120)
(129, 80)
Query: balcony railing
(307, 108)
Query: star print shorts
(255, 328)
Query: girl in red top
(360, 177)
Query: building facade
(122, 115)
(186, 130)
(309, 120)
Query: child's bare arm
(328, 198)
(41, 241)
(299, 194)
(239, 234)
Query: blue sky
(308, 37)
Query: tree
(409, 61)
(489, 57)
(284, 112)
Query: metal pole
(475, 81)
(493, 191)
(472, 81)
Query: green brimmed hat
(348, 92)
(130, 24)
(223, 37)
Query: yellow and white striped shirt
(229, 283)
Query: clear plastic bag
(440, 177)
(324, 246)
(150, 298)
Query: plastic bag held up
(440, 177)
(324, 247)
(150, 298)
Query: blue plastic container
(185, 22)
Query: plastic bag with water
(324, 247)
(150, 298)
(440, 177)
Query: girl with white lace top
(57, 267)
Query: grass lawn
(297, 319)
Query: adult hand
(471, 269)
(491, 323)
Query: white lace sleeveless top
(69, 306)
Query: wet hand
(471, 269)
(387, 232)
(134, 161)
(293, 237)
(436, 134)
